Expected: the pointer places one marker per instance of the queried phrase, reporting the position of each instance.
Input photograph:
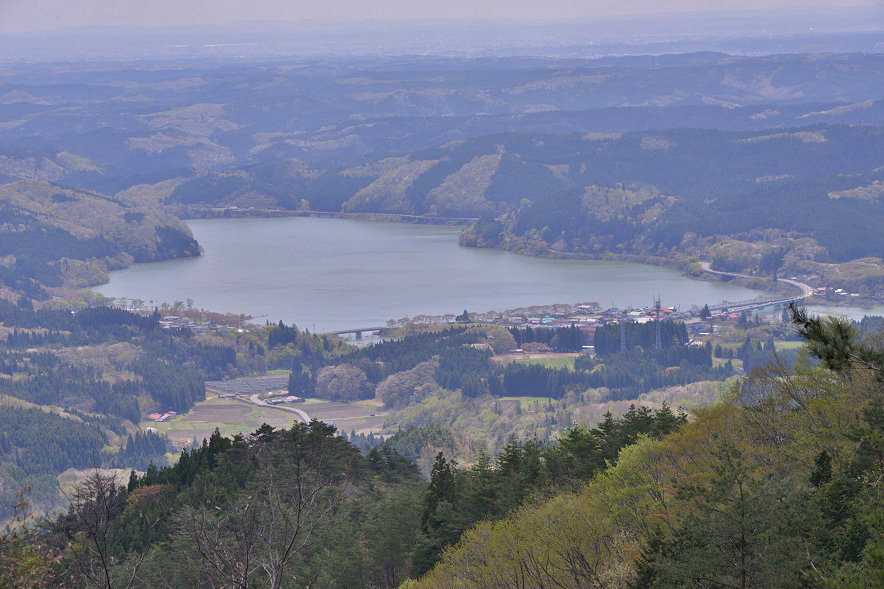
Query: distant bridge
(357, 330)
(761, 301)
(753, 304)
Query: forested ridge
(787, 202)
(124, 366)
(460, 358)
(649, 499)
(637, 193)
(54, 236)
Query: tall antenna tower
(657, 343)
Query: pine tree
(442, 487)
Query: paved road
(806, 291)
(301, 414)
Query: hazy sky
(30, 15)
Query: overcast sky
(31, 15)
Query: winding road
(301, 414)
(806, 290)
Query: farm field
(229, 416)
(551, 360)
(232, 416)
(735, 362)
(361, 416)
(788, 345)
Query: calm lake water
(340, 274)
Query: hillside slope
(56, 236)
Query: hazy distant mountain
(811, 30)
(138, 124)
(620, 154)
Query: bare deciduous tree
(289, 508)
(94, 505)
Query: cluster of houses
(830, 293)
(175, 322)
(159, 417)
(587, 319)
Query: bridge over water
(753, 304)
(760, 301)
(357, 330)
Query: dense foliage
(172, 373)
(123, 366)
(741, 495)
(778, 486)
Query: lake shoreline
(688, 269)
(294, 269)
(191, 213)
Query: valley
(442, 304)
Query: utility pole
(657, 343)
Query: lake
(332, 274)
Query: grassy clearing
(551, 362)
(785, 345)
(16, 402)
(363, 416)
(736, 362)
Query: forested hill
(74, 386)
(640, 192)
(54, 236)
(778, 485)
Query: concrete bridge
(760, 301)
(753, 304)
(358, 331)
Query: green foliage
(457, 500)
(643, 335)
(560, 339)
(837, 344)
(777, 487)
(410, 442)
(36, 445)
